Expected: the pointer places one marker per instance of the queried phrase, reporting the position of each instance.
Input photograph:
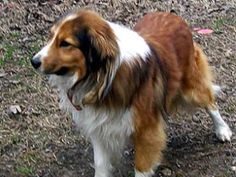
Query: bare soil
(42, 141)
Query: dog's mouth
(62, 71)
(59, 72)
(70, 94)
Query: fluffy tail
(202, 64)
(201, 61)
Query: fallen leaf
(14, 109)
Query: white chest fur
(110, 126)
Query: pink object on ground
(203, 31)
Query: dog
(120, 83)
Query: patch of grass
(15, 138)
(230, 109)
(8, 51)
(218, 24)
(221, 22)
(30, 157)
(35, 47)
(23, 62)
(15, 34)
(25, 170)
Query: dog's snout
(36, 62)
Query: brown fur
(176, 68)
(187, 75)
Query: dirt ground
(42, 141)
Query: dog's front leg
(102, 158)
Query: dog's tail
(203, 67)
(200, 89)
(202, 63)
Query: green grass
(231, 108)
(25, 170)
(35, 47)
(11, 52)
(8, 49)
(8, 52)
(24, 62)
(218, 24)
(15, 138)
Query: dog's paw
(223, 133)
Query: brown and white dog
(118, 83)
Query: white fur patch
(130, 43)
(111, 127)
(63, 84)
(70, 17)
(222, 130)
(102, 159)
(44, 51)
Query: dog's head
(82, 45)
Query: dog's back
(185, 65)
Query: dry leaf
(15, 109)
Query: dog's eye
(64, 44)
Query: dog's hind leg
(221, 128)
(206, 99)
(200, 91)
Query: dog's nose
(35, 61)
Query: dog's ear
(98, 43)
